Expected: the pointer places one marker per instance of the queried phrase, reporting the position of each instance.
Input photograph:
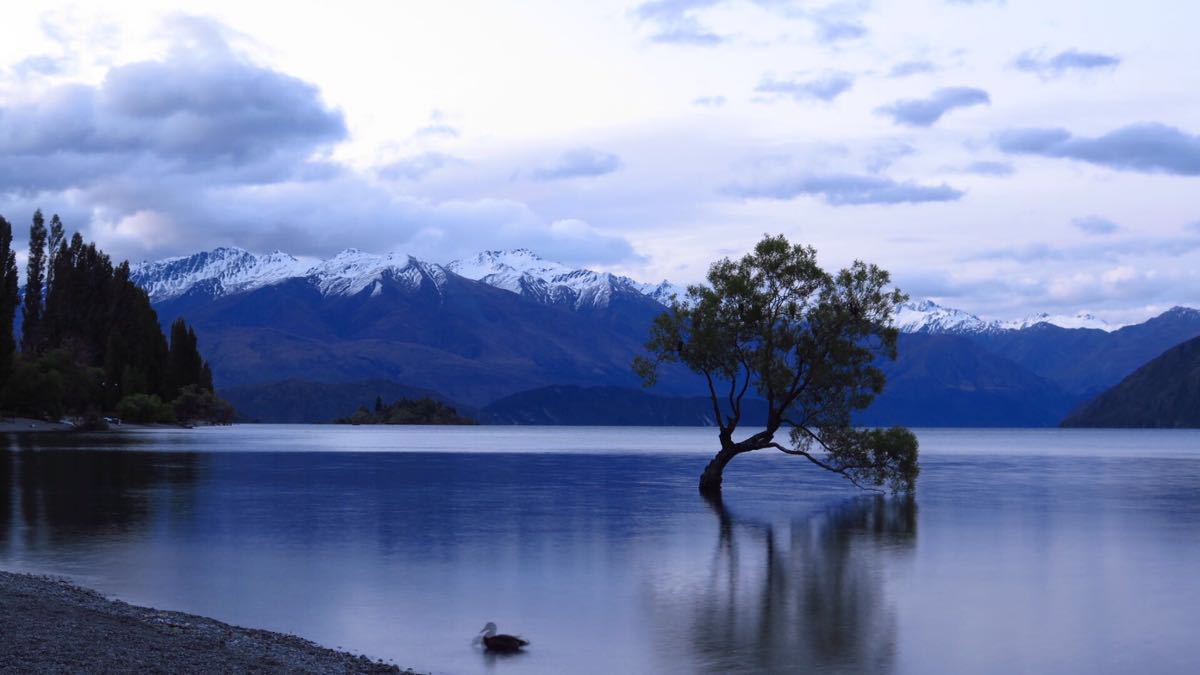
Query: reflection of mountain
(53, 495)
(807, 598)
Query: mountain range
(512, 327)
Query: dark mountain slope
(939, 380)
(1086, 361)
(1163, 393)
(947, 380)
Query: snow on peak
(926, 316)
(229, 269)
(524, 272)
(352, 271)
(1080, 320)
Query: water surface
(1023, 551)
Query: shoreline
(51, 624)
(20, 425)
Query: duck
(504, 644)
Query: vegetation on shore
(424, 410)
(90, 342)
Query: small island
(425, 410)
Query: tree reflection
(806, 596)
(55, 492)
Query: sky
(1006, 157)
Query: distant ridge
(1164, 393)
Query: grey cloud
(40, 66)
(709, 101)
(824, 88)
(908, 68)
(836, 22)
(417, 167)
(204, 147)
(198, 112)
(1146, 148)
(579, 162)
(925, 112)
(883, 155)
(986, 168)
(675, 23)
(1062, 62)
(1095, 225)
(845, 189)
(1109, 250)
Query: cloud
(908, 68)
(194, 111)
(925, 112)
(438, 126)
(674, 22)
(824, 88)
(1146, 148)
(1110, 250)
(709, 101)
(417, 167)
(579, 162)
(1095, 225)
(987, 168)
(845, 189)
(204, 147)
(1054, 66)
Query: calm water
(1023, 551)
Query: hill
(1163, 393)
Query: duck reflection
(806, 596)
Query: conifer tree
(8, 300)
(57, 235)
(35, 279)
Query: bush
(197, 404)
(145, 409)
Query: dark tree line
(424, 410)
(90, 340)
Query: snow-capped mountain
(352, 271)
(926, 316)
(524, 272)
(225, 270)
(229, 271)
(1080, 320)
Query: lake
(1035, 551)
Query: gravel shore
(49, 625)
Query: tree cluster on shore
(407, 411)
(90, 342)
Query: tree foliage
(35, 280)
(775, 325)
(90, 338)
(9, 298)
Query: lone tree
(807, 343)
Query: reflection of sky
(611, 562)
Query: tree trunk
(710, 480)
